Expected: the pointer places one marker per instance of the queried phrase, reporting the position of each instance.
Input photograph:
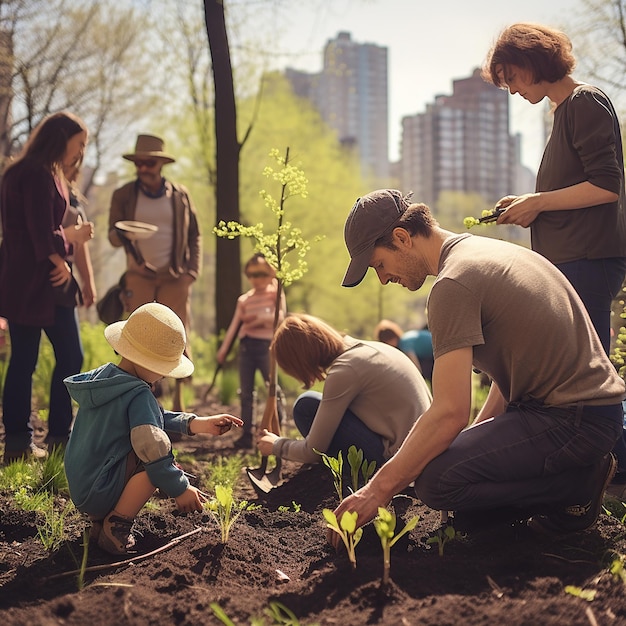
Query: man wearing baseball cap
(540, 445)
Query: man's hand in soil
(364, 503)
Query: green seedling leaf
(368, 469)
(225, 510)
(443, 536)
(335, 465)
(385, 525)
(584, 594)
(346, 529)
(355, 460)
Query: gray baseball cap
(371, 217)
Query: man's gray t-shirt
(528, 328)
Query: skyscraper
(462, 143)
(351, 95)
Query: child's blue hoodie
(111, 403)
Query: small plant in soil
(286, 509)
(225, 510)
(335, 465)
(346, 529)
(52, 532)
(359, 464)
(443, 536)
(385, 525)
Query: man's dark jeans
(529, 456)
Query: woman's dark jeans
(16, 402)
(598, 282)
(351, 432)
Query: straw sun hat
(152, 337)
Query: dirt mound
(279, 554)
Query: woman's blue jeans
(530, 456)
(16, 402)
(597, 282)
(351, 431)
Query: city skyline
(429, 47)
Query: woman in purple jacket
(37, 289)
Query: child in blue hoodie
(118, 452)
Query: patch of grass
(53, 476)
(28, 500)
(21, 474)
(228, 385)
(224, 471)
(52, 531)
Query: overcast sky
(429, 45)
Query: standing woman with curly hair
(37, 290)
(577, 214)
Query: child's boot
(115, 536)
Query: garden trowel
(261, 479)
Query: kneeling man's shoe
(580, 516)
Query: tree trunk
(228, 259)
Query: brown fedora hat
(149, 146)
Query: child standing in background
(253, 323)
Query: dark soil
(501, 575)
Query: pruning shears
(492, 217)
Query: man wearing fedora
(163, 267)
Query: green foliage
(36, 486)
(385, 525)
(219, 612)
(53, 476)
(34, 482)
(346, 529)
(228, 385)
(285, 238)
(43, 374)
(616, 567)
(613, 507)
(469, 221)
(443, 536)
(358, 464)
(29, 500)
(286, 509)
(618, 355)
(225, 510)
(22, 474)
(224, 470)
(52, 531)
(334, 184)
(277, 612)
(579, 592)
(96, 349)
(335, 465)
